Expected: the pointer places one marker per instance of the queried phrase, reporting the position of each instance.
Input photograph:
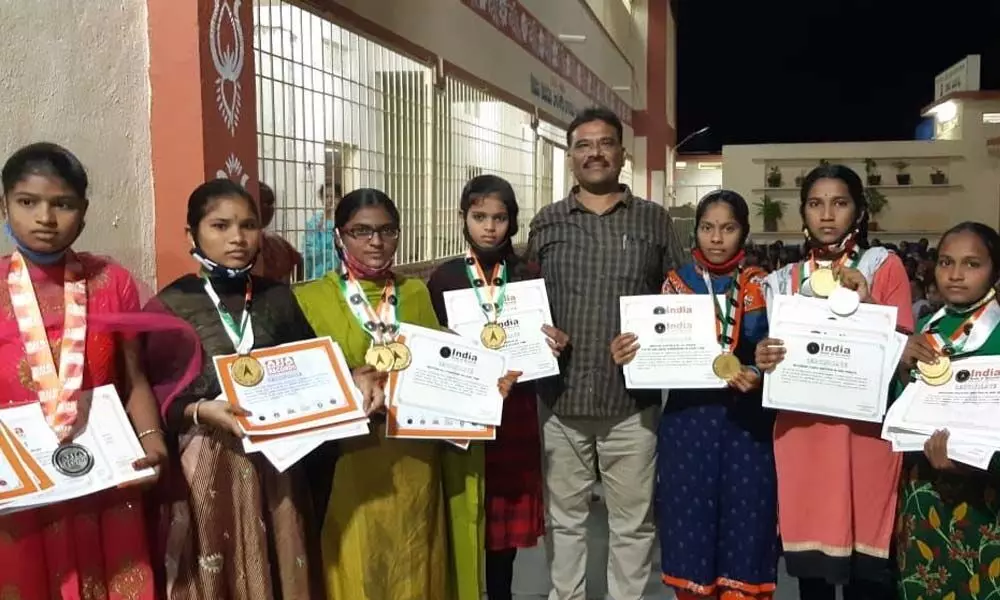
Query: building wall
(913, 210)
(454, 32)
(66, 82)
(695, 176)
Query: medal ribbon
(848, 260)
(495, 287)
(242, 335)
(984, 316)
(382, 325)
(57, 392)
(728, 317)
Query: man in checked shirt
(596, 245)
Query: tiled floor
(531, 577)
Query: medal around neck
(380, 358)
(73, 460)
(247, 371)
(493, 336)
(937, 373)
(726, 366)
(843, 302)
(401, 356)
(822, 282)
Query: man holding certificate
(598, 244)
(831, 466)
(513, 462)
(715, 451)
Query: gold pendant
(726, 366)
(380, 357)
(247, 371)
(493, 336)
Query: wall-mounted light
(572, 38)
(944, 112)
(680, 164)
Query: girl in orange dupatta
(95, 547)
(837, 479)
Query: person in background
(598, 244)
(320, 255)
(921, 305)
(717, 487)
(211, 552)
(838, 469)
(95, 546)
(948, 528)
(279, 260)
(514, 508)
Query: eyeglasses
(387, 232)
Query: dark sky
(773, 71)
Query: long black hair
(737, 204)
(855, 189)
(990, 239)
(44, 158)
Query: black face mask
(489, 255)
(217, 271)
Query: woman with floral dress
(948, 528)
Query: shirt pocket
(636, 262)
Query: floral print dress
(948, 527)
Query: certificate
(301, 385)
(525, 311)
(98, 458)
(835, 366)
(677, 341)
(408, 422)
(450, 376)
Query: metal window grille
(337, 111)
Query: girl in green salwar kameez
(949, 516)
(403, 520)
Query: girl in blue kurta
(717, 487)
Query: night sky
(774, 71)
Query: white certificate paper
(677, 341)
(108, 437)
(526, 310)
(451, 376)
(835, 366)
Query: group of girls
(369, 518)
(849, 511)
(377, 518)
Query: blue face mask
(39, 258)
(217, 271)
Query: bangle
(197, 405)
(149, 432)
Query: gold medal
(493, 336)
(380, 357)
(936, 381)
(247, 371)
(935, 370)
(401, 356)
(726, 366)
(822, 282)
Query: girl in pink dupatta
(837, 479)
(95, 547)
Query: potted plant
(871, 169)
(770, 211)
(877, 202)
(800, 178)
(774, 177)
(938, 177)
(902, 177)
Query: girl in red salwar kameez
(95, 547)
